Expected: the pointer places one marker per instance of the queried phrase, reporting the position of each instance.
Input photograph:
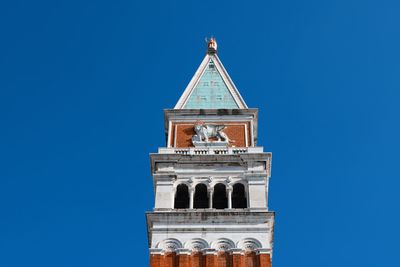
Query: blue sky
(82, 89)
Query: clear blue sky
(82, 89)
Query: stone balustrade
(210, 150)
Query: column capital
(236, 251)
(156, 251)
(209, 251)
(263, 251)
(183, 251)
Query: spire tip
(212, 46)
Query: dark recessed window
(220, 201)
(239, 200)
(182, 197)
(200, 197)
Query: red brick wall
(196, 260)
(209, 260)
(155, 260)
(224, 260)
(264, 260)
(183, 260)
(219, 260)
(250, 259)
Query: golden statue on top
(212, 45)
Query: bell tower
(211, 179)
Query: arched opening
(200, 197)
(182, 197)
(239, 200)
(220, 201)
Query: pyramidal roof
(211, 87)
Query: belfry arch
(239, 199)
(220, 199)
(200, 197)
(181, 197)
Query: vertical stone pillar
(210, 198)
(164, 193)
(237, 257)
(229, 189)
(257, 194)
(209, 257)
(191, 197)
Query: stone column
(191, 200)
(229, 189)
(210, 198)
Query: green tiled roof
(211, 92)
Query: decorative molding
(169, 245)
(249, 244)
(156, 251)
(236, 251)
(209, 251)
(183, 251)
(223, 244)
(263, 251)
(196, 244)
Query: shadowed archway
(220, 201)
(200, 197)
(181, 197)
(239, 200)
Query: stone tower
(211, 179)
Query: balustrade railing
(210, 150)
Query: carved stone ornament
(196, 244)
(223, 244)
(206, 131)
(170, 245)
(249, 244)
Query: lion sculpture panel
(205, 131)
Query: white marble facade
(239, 229)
